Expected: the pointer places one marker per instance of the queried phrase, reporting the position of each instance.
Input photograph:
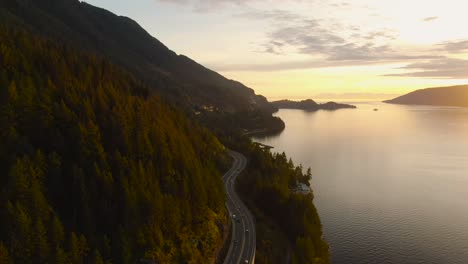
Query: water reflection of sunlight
(404, 167)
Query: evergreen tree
(4, 255)
(94, 168)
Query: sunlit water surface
(391, 186)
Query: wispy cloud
(326, 43)
(429, 19)
(205, 5)
(274, 15)
(315, 64)
(333, 42)
(329, 42)
(210, 2)
(213, 5)
(453, 47)
(443, 68)
(355, 95)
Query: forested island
(441, 96)
(113, 148)
(310, 105)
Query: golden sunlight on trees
(93, 169)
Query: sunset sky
(320, 49)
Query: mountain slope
(94, 169)
(124, 42)
(442, 96)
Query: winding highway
(243, 243)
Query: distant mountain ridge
(124, 42)
(441, 96)
(309, 105)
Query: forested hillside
(441, 96)
(105, 155)
(94, 169)
(288, 223)
(184, 82)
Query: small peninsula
(442, 96)
(310, 105)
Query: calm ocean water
(391, 186)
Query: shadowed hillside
(443, 96)
(95, 169)
(188, 84)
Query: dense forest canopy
(94, 169)
(105, 152)
(269, 185)
(179, 79)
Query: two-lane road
(243, 243)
